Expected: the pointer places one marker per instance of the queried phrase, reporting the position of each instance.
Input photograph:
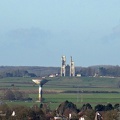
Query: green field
(56, 90)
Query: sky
(39, 32)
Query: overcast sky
(39, 32)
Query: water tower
(40, 82)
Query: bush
(99, 107)
(15, 95)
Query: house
(81, 118)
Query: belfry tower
(67, 70)
(63, 66)
(72, 67)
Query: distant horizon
(52, 66)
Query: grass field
(54, 90)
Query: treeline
(20, 112)
(16, 73)
(113, 71)
(31, 71)
(37, 71)
(64, 110)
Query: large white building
(67, 70)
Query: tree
(66, 105)
(9, 95)
(90, 114)
(39, 114)
(117, 106)
(86, 107)
(18, 95)
(108, 107)
(20, 112)
(15, 95)
(110, 115)
(102, 71)
(5, 110)
(99, 107)
(31, 115)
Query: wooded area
(37, 71)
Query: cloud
(26, 35)
(116, 32)
(114, 36)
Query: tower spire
(72, 67)
(63, 66)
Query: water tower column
(40, 93)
